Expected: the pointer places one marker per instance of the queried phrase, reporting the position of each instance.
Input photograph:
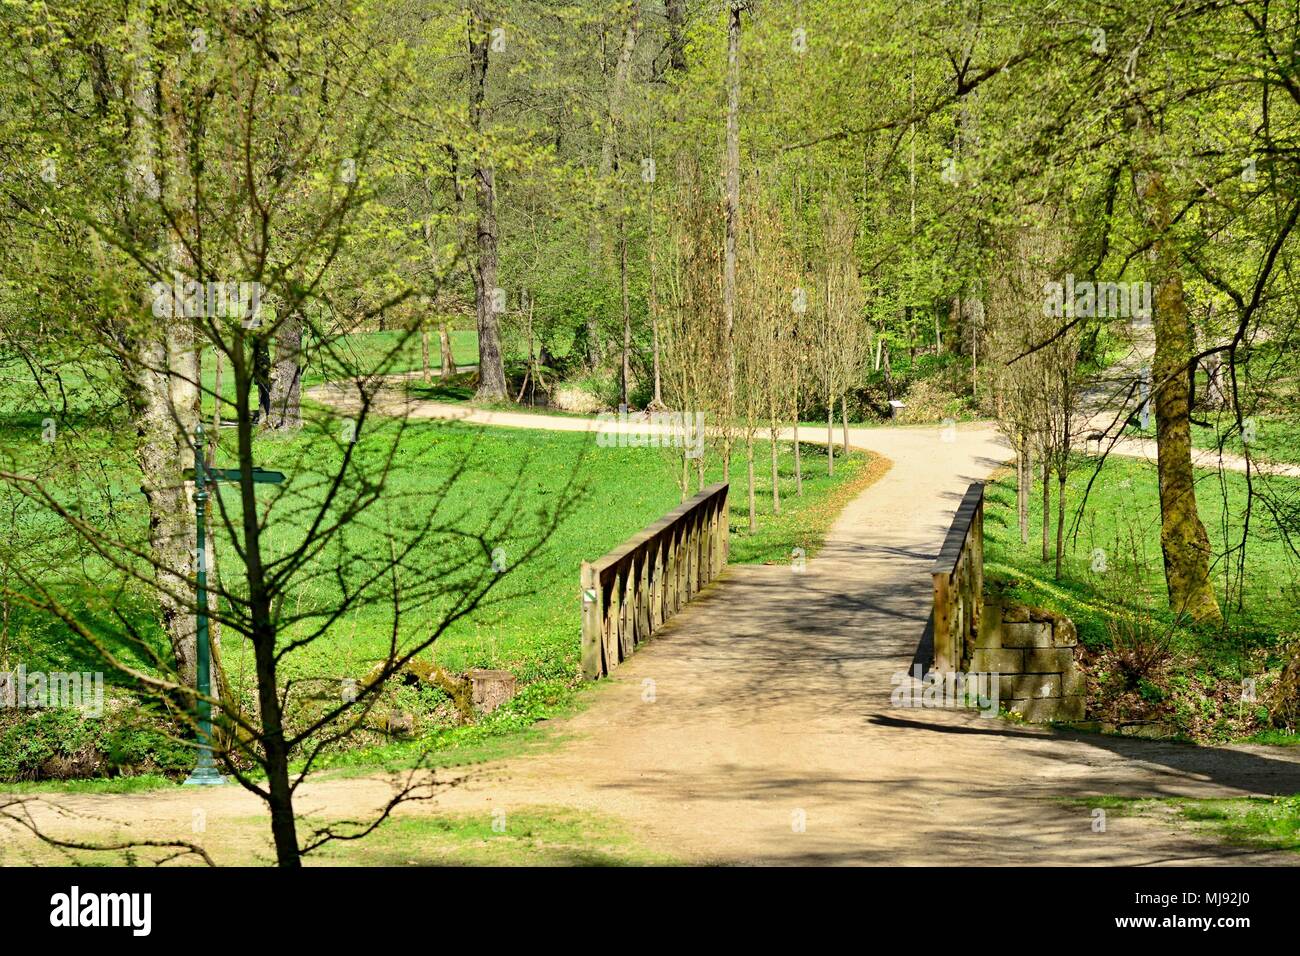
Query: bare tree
(491, 366)
(842, 342)
(342, 534)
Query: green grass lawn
(1197, 682)
(1263, 823)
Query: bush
(62, 743)
(586, 393)
(929, 401)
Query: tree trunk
(830, 437)
(1060, 519)
(283, 827)
(776, 473)
(262, 378)
(162, 416)
(491, 367)
(286, 377)
(676, 12)
(426, 374)
(657, 402)
(749, 464)
(1047, 507)
(262, 635)
(1183, 540)
(844, 420)
(217, 391)
(627, 311)
(608, 159)
(157, 364)
(444, 344)
(798, 463)
(732, 214)
(1022, 495)
(794, 417)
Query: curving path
(766, 702)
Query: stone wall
(1032, 652)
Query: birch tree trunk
(608, 156)
(491, 367)
(157, 361)
(776, 475)
(749, 465)
(444, 345)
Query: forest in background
(771, 214)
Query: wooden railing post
(593, 614)
(942, 623)
(630, 592)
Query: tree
(841, 344)
(1183, 540)
(731, 218)
(257, 207)
(487, 295)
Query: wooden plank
(657, 585)
(613, 614)
(671, 575)
(942, 623)
(688, 560)
(592, 618)
(720, 537)
(643, 600)
(625, 622)
(959, 581)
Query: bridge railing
(959, 582)
(631, 591)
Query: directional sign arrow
(260, 475)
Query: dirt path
(394, 403)
(766, 702)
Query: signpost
(206, 772)
(1144, 396)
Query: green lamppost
(206, 772)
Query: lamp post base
(204, 777)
